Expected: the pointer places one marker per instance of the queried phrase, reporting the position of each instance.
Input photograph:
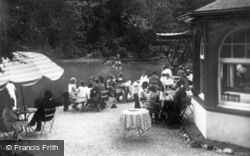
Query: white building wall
(222, 127)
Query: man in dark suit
(179, 100)
(41, 104)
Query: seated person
(11, 120)
(121, 82)
(118, 62)
(189, 75)
(179, 100)
(82, 95)
(72, 89)
(167, 70)
(184, 82)
(181, 72)
(142, 94)
(134, 88)
(111, 81)
(155, 80)
(102, 81)
(95, 93)
(90, 86)
(41, 104)
(120, 79)
(167, 82)
(109, 62)
(152, 96)
(152, 101)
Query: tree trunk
(4, 28)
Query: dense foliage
(74, 28)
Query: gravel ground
(100, 133)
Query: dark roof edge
(189, 17)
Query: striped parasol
(27, 68)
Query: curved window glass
(234, 69)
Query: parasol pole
(24, 106)
(22, 97)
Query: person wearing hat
(41, 103)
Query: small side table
(135, 119)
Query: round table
(135, 119)
(26, 114)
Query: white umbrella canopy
(29, 69)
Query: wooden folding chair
(104, 99)
(176, 79)
(11, 127)
(153, 82)
(155, 113)
(186, 106)
(48, 118)
(233, 98)
(5, 133)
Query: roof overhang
(171, 36)
(219, 9)
(215, 14)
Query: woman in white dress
(72, 89)
(82, 95)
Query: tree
(5, 46)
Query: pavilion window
(234, 70)
(202, 70)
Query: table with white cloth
(135, 119)
(167, 96)
(134, 88)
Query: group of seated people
(14, 122)
(151, 87)
(114, 62)
(90, 95)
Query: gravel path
(100, 133)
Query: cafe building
(221, 65)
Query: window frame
(230, 104)
(202, 67)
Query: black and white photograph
(124, 77)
